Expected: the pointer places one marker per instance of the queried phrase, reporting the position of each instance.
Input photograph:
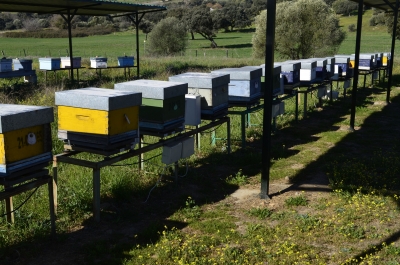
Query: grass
(353, 220)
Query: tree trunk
(191, 32)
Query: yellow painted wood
(98, 121)
(385, 60)
(352, 63)
(14, 145)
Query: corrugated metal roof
(386, 5)
(82, 7)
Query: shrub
(352, 28)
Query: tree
(344, 7)
(200, 21)
(146, 26)
(168, 37)
(304, 29)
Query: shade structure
(386, 5)
(69, 8)
(82, 7)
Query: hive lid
(367, 56)
(98, 98)
(50, 59)
(241, 73)
(342, 58)
(15, 117)
(201, 80)
(154, 89)
(290, 66)
(277, 69)
(67, 58)
(330, 60)
(321, 61)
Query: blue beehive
(277, 82)
(291, 74)
(321, 71)
(126, 61)
(5, 65)
(244, 84)
(49, 63)
(343, 63)
(22, 64)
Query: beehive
(66, 62)
(366, 61)
(308, 70)
(49, 63)
(5, 65)
(90, 116)
(22, 64)
(25, 137)
(213, 89)
(343, 63)
(125, 61)
(386, 58)
(331, 66)
(277, 81)
(163, 103)
(321, 71)
(98, 62)
(291, 74)
(244, 84)
(378, 59)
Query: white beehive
(213, 89)
(98, 62)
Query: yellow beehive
(25, 136)
(98, 111)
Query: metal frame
(65, 157)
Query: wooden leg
(52, 208)
(55, 185)
(10, 209)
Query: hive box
(344, 67)
(366, 61)
(25, 137)
(278, 109)
(378, 59)
(192, 109)
(5, 65)
(277, 81)
(321, 72)
(98, 62)
(213, 89)
(125, 61)
(49, 63)
(386, 58)
(291, 74)
(244, 84)
(98, 117)
(331, 67)
(66, 62)
(308, 71)
(163, 103)
(22, 64)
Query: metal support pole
(198, 138)
(228, 134)
(68, 19)
(51, 205)
(96, 194)
(305, 105)
(356, 64)
(396, 14)
(268, 98)
(297, 107)
(243, 128)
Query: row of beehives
(100, 118)
(56, 63)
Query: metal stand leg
(365, 78)
(141, 156)
(176, 171)
(243, 125)
(96, 194)
(228, 133)
(331, 92)
(305, 105)
(197, 138)
(297, 107)
(213, 139)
